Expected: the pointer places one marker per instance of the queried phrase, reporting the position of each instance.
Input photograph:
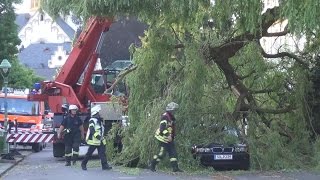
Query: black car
(222, 155)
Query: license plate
(223, 157)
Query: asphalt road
(42, 166)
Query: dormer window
(41, 17)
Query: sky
(24, 7)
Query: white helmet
(172, 106)
(73, 107)
(95, 109)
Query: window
(20, 106)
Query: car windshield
(226, 135)
(120, 65)
(20, 106)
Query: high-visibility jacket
(95, 134)
(166, 128)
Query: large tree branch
(120, 78)
(276, 34)
(286, 54)
(177, 46)
(269, 18)
(283, 54)
(230, 48)
(273, 111)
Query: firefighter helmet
(73, 107)
(172, 106)
(95, 109)
(64, 107)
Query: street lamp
(4, 70)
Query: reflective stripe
(91, 125)
(68, 155)
(76, 152)
(173, 159)
(161, 151)
(96, 134)
(155, 157)
(163, 121)
(165, 132)
(92, 140)
(158, 160)
(104, 142)
(162, 139)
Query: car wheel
(36, 147)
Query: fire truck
(24, 120)
(79, 83)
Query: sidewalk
(6, 165)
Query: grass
(129, 171)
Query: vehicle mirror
(46, 112)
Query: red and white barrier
(29, 137)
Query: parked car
(223, 155)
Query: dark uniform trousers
(72, 143)
(166, 148)
(101, 152)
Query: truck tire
(58, 150)
(36, 147)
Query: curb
(13, 165)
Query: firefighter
(64, 109)
(72, 129)
(165, 136)
(95, 139)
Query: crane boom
(84, 48)
(82, 60)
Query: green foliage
(167, 73)
(20, 76)
(8, 30)
(316, 148)
(270, 150)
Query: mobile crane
(77, 82)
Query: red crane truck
(77, 82)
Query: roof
(122, 33)
(22, 20)
(65, 27)
(36, 57)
